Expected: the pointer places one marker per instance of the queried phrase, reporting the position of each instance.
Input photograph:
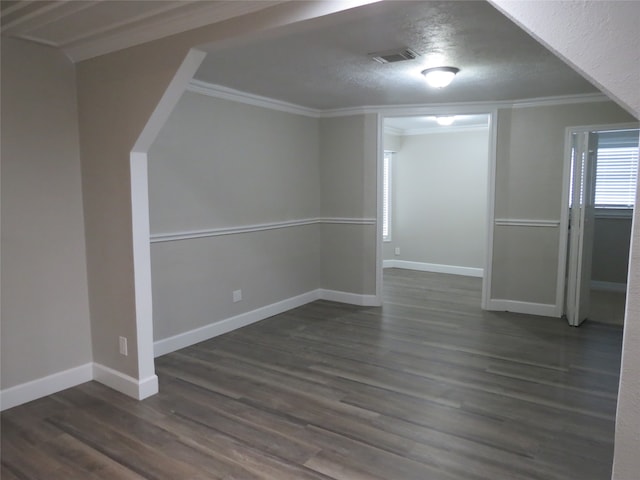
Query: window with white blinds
(386, 197)
(616, 172)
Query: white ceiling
(321, 63)
(324, 65)
(88, 28)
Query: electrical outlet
(397, 251)
(123, 346)
(237, 295)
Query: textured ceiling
(320, 63)
(323, 64)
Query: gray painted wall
(218, 164)
(439, 198)
(530, 155)
(348, 171)
(45, 309)
(611, 242)
(597, 43)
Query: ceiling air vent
(393, 56)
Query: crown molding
(465, 107)
(564, 100)
(218, 91)
(389, 130)
(434, 130)
(226, 93)
(444, 129)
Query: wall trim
(448, 129)
(350, 298)
(226, 93)
(491, 209)
(216, 232)
(138, 389)
(561, 100)
(482, 107)
(515, 306)
(200, 334)
(218, 91)
(399, 132)
(608, 286)
(41, 387)
(434, 267)
(139, 196)
(206, 332)
(347, 221)
(389, 130)
(526, 222)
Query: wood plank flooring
(428, 387)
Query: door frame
(492, 112)
(563, 268)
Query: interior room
(437, 193)
(616, 157)
(238, 240)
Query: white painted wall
(601, 40)
(439, 199)
(45, 309)
(216, 164)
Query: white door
(584, 153)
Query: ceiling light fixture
(446, 121)
(440, 77)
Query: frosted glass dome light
(440, 77)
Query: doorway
(435, 193)
(603, 171)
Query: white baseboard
(191, 337)
(351, 298)
(138, 389)
(434, 267)
(41, 387)
(200, 334)
(608, 286)
(542, 309)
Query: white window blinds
(616, 172)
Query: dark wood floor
(428, 387)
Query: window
(386, 197)
(616, 170)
